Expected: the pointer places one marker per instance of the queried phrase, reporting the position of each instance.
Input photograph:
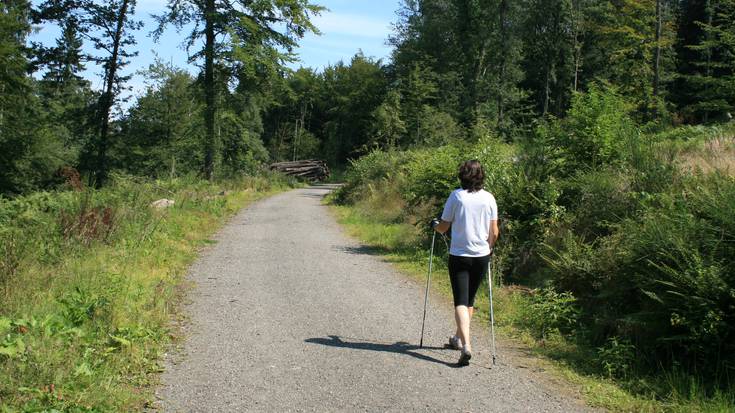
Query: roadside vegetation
(89, 283)
(606, 128)
(616, 250)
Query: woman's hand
(440, 226)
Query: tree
(29, 153)
(110, 30)
(709, 74)
(15, 128)
(261, 28)
(633, 43)
(352, 93)
(161, 134)
(388, 127)
(64, 93)
(549, 54)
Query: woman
(472, 214)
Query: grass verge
(89, 282)
(578, 366)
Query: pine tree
(549, 54)
(111, 30)
(712, 80)
(237, 30)
(65, 94)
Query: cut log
(311, 169)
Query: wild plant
(616, 357)
(11, 254)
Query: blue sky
(348, 26)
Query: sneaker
(455, 343)
(464, 358)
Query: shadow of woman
(400, 347)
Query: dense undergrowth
(88, 282)
(623, 241)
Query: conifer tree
(713, 79)
(249, 32)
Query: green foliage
(161, 134)
(616, 357)
(373, 168)
(633, 253)
(552, 312)
(711, 73)
(597, 131)
(85, 318)
(389, 127)
(432, 172)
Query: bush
(662, 279)
(371, 168)
(86, 295)
(616, 357)
(596, 132)
(552, 311)
(635, 254)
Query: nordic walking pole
(492, 316)
(428, 285)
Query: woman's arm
(494, 233)
(442, 226)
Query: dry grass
(714, 155)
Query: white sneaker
(455, 343)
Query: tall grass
(90, 280)
(627, 251)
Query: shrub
(431, 175)
(552, 311)
(595, 132)
(663, 280)
(597, 201)
(616, 357)
(374, 166)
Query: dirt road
(288, 314)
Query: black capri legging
(466, 274)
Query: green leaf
(5, 324)
(83, 370)
(12, 349)
(123, 342)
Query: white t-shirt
(470, 214)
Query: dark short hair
(471, 175)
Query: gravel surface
(288, 314)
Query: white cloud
(351, 25)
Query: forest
(605, 127)
(459, 70)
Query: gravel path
(288, 314)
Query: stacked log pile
(311, 169)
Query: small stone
(162, 203)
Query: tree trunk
(577, 19)
(657, 57)
(106, 100)
(502, 13)
(708, 67)
(209, 89)
(547, 91)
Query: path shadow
(313, 196)
(362, 250)
(323, 185)
(400, 347)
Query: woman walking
(472, 214)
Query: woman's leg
(471, 311)
(462, 316)
(459, 275)
(476, 274)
